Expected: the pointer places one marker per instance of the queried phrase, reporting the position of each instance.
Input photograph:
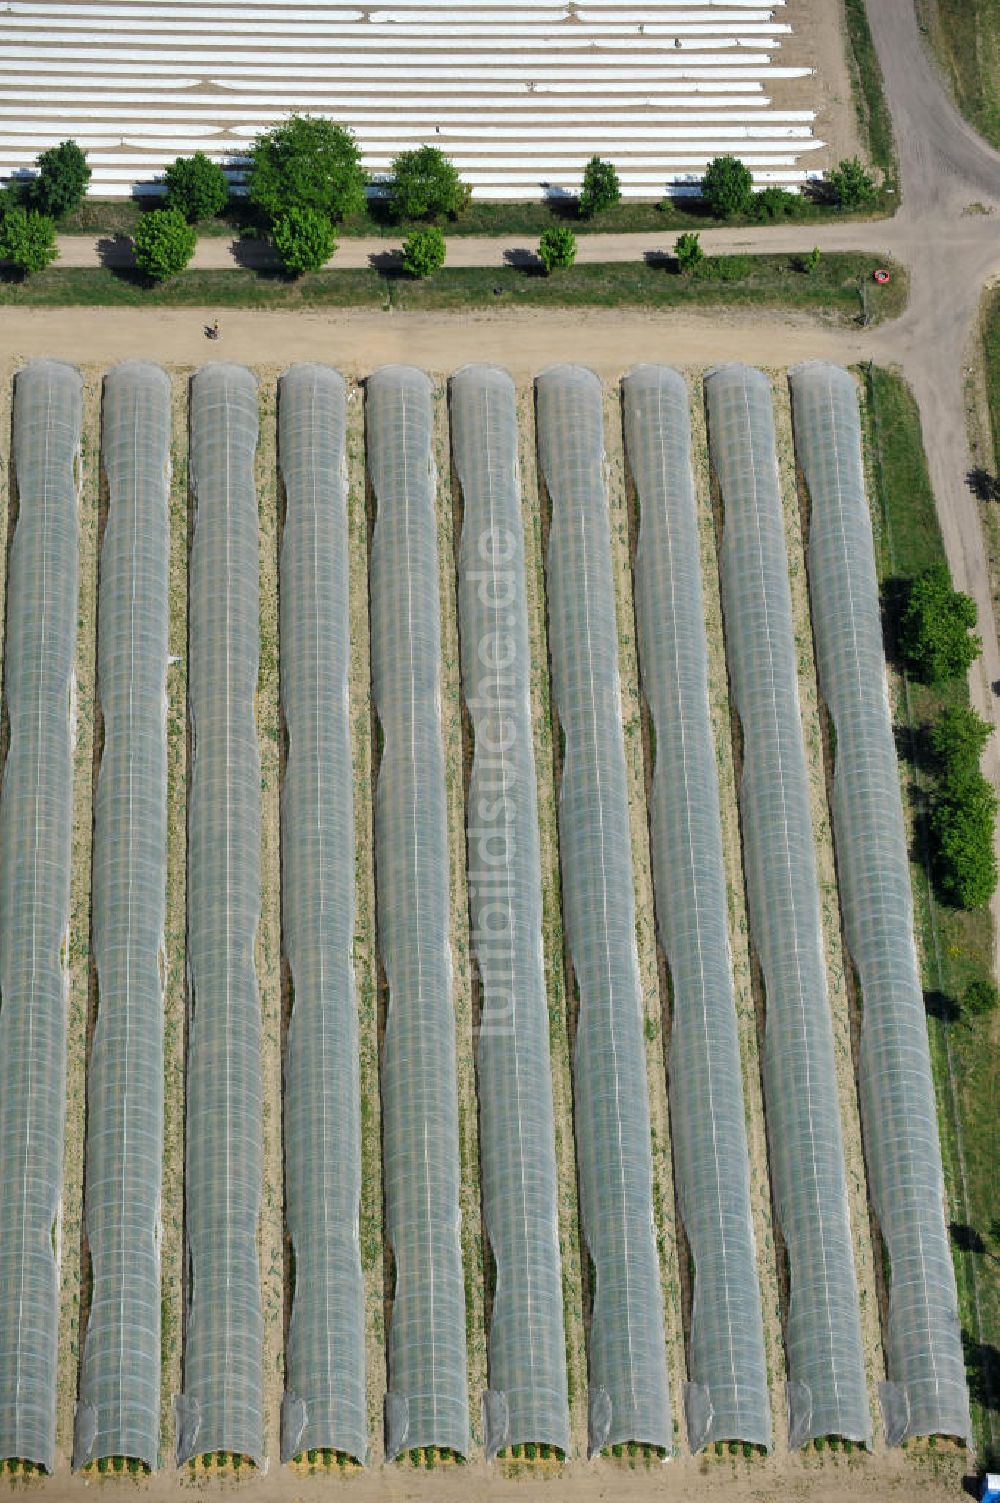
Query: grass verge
(842, 286)
(111, 217)
(956, 948)
(870, 103)
(965, 37)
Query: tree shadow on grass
(525, 260)
(965, 1238)
(895, 595)
(982, 1365)
(389, 264)
(939, 1005)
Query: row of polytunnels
(729, 1390)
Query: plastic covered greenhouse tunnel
(827, 1392)
(221, 1408)
(324, 1405)
(629, 1397)
(527, 1399)
(35, 861)
(926, 1392)
(427, 1399)
(118, 1413)
(727, 1395)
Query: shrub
(27, 240)
(303, 240)
(557, 248)
(961, 827)
(600, 190)
(62, 180)
(197, 187)
(851, 185)
(426, 185)
(957, 742)
(424, 252)
(980, 999)
(775, 203)
(307, 162)
(687, 249)
(935, 633)
(811, 260)
(727, 187)
(164, 243)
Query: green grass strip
(869, 93)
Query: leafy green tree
(961, 826)
(27, 240)
(936, 630)
(557, 248)
(687, 249)
(776, 203)
(424, 251)
(62, 180)
(851, 185)
(196, 186)
(957, 742)
(426, 185)
(727, 187)
(307, 162)
(601, 189)
(980, 999)
(303, 239)
(164, 243)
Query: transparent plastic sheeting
(427, 1402)
(727, 1397)
(826, 1388)
(926, 1393)
(35, 860)
(629, 1398)
(324, 1405)
(119, 1409)
(222, 1404)
(527, 1344)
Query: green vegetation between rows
(965, 35)
(840, 285)
(957, 947)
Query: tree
(978, 1001)
(164, 243)
(810, 261)
(775, 203)
(957, 741)
(557, 248)
(851, 185)
(601, 189)
(197, 187)
(307, 162)
(27, 239)
(303, 239)
(687, 249)
(961, 827)
(935, 634)
(424, 251)
(727, 187)
(62, 180)
(426, 185)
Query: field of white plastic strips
(519, 94)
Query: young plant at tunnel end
(557, 248)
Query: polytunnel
(927, 1392)
(324, 1405)
(629, 1397)
(35, 862)
(222, 1404)
(118, 1413)
(527, 1400)
(826, 1375)
(727, 1396)
(427, 1402)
